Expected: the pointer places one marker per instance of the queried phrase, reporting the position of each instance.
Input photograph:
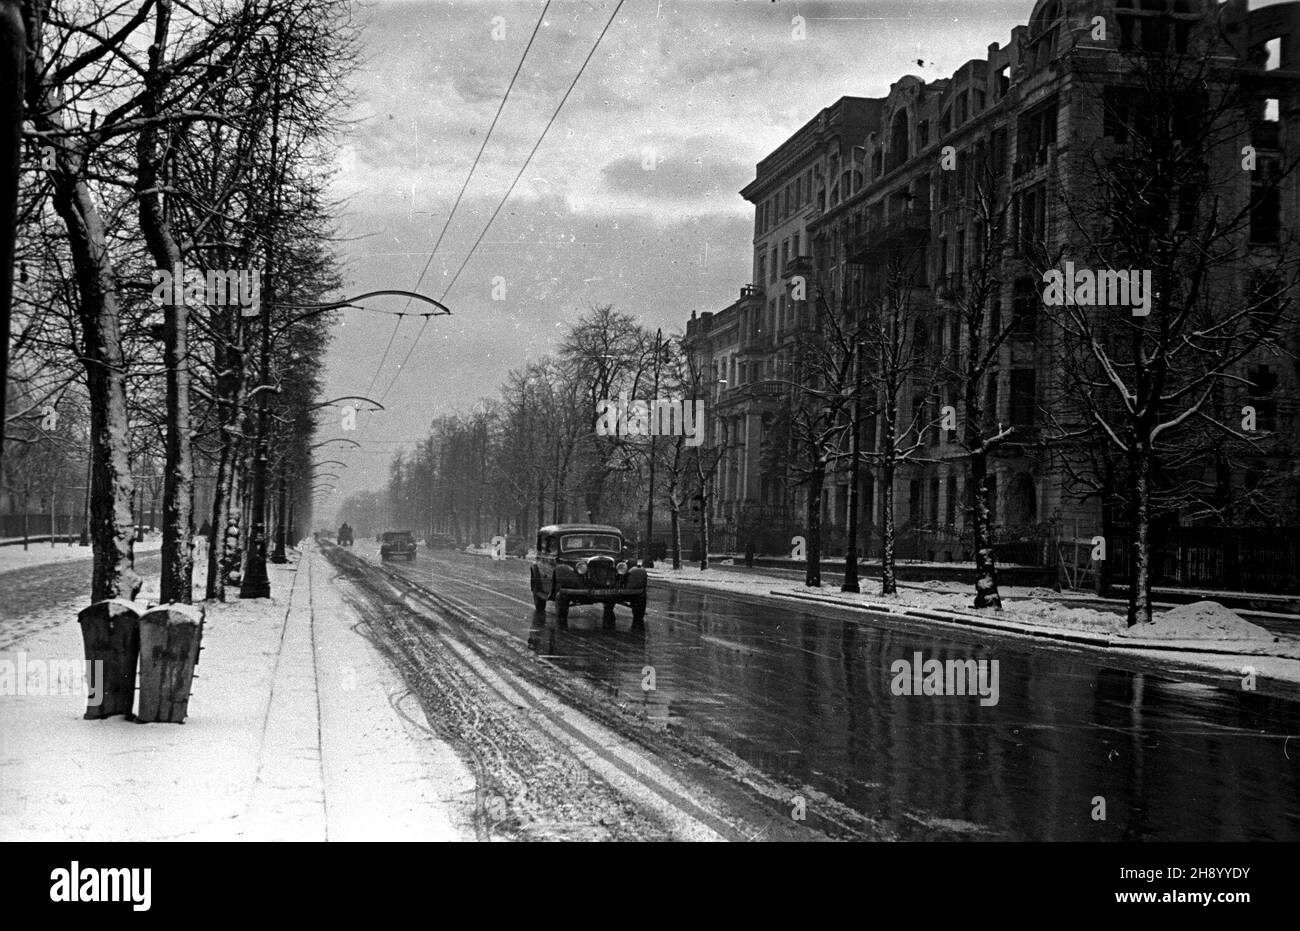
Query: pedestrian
(749, 553)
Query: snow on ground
(15, 557)
(1030, 607)
(1200, 620)
(70, 779)
(297, 730)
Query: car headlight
(621, 568)
(582, 568)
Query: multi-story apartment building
(869, 179)
(746, 346)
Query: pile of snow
(1200, 620)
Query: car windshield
(396, 537)
(606, 542)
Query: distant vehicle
(345, 535)
(440, 541)
(586, 564)
(397, 544)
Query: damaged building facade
(868, 180)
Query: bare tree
(1163, 205)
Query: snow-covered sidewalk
(1202, 635)
(297, 729)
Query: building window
(999, 153)
(1265, 201)
(1025, 300)
(952, 502)
(1262, 396)
(1024, 400)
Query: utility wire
(511, 189)
(459, 195)
(524, 167)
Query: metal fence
(11, 525)
(1263, 559)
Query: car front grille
(600, 574)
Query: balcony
(799, 265)
(766, 389)
(909, 226)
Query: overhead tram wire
(461, 194)
(511, 189)
(538, 145)
(500, 107)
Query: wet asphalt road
(806, 696)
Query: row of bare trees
(171, 139)
(532, 455)
(1153, 412)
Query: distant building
(864, 179)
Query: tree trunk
(704, 530)
(176, 583)
(986, 573)
(111, 515)
(675, 525)
(13, 64)
(851, 583)
(888, 578)
(1139, 597)
(813, 571)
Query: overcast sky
(710, 86)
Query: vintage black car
(440, 541)
(397, 544)
(586, 564)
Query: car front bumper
(601, 594)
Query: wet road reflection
(808, 698)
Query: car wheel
(562, 609)
(638, 609)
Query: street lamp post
(650, 503)
(851, 553)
